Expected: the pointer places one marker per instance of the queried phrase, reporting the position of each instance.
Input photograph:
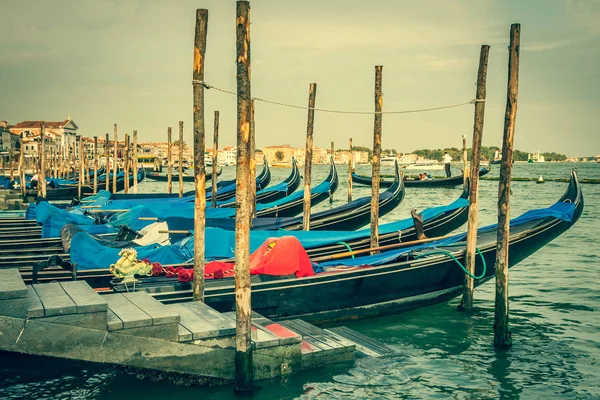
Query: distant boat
(388, 160)
(535, 158)
(426, 164)
(497, 158)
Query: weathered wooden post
(22, 184)
(310, 124)
(252, 163)
(126, 164)
(502, 335)
(199, 145)
(169, 162)
(469, 283)
(11, 156)
(180, 158)
(376, 158)
(95, 164)
(115, 169)
(42, 171)
(107, 164)
(135, 162)
(243, 342)
(215, 160)
(350, 167)
(79, 141)
(333, 160)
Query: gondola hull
(427, 183)
(155, 176)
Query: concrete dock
(70, 320)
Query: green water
(554, 303)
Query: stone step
(365, 346)
(139, 314)
(13, 294)
(320, 346)
(261, 337)
(201, 322)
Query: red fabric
(281, 256)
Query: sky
(130, 63)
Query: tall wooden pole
(332, 159)
(42, 171)
(502, 335)
(180, 158)
(126, 169)
(199, 146)
(215, 160)
(469, 283)
(243, 342)
(464, 157)
(95, 164)
(81, 181)
(252, 156)
(135, 162)
(376, 158)
(107, 164)
(22, 185)
(169, 162)
(350, 164)
(310, 124)
(115, 169)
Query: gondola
(68, 192)
(437, 221)
(385, 182)
(348, 217)
(396, 280)
(155, 176)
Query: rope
(347, 246)
(449, 254)
(278, 103)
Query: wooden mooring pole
(215, 160)
(502, 335)
(312, 94)
(180, 158)
(126, 162)
(135, 162)
(115, 169)
(252, 163)
(95, 164)
(80, 181)
(42, 171)
(199, 145)
(464, 159)
(169, 162)
(22, 185)
(350, 166)
(106, 162)
(243, 340)
(376, 159)
(469, 283)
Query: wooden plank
(54, 299)
(285, 335)
(260, 336)
(34, 305)
(205, 324)
(310, 346)
(318, 335)
(11, 284)
(364, 344)
(184, 334)
(193, 322)
(113, 322)
(155, 309)
(84, 297)
(130, 314)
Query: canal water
(554, 305)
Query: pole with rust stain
(252, 163)
(106, 162)
(469, 283)
(199, 146)
(126, 165)
(169, 162)
(95, 161)
(135, 162)
(310, 124)
(243, 342)
(180, 158)
(215, 159)
(81, 180)
(376, 158)
(115, 168)
(350, 164)
(502, 335)
(42, 171)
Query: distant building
(279, 154)
(227, 155)
(8, 142)
(59, 135)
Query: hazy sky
(130, 62)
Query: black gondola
(426, 183)
(155, 176)
(349, 217)
(413, 279)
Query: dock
(72, 321)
